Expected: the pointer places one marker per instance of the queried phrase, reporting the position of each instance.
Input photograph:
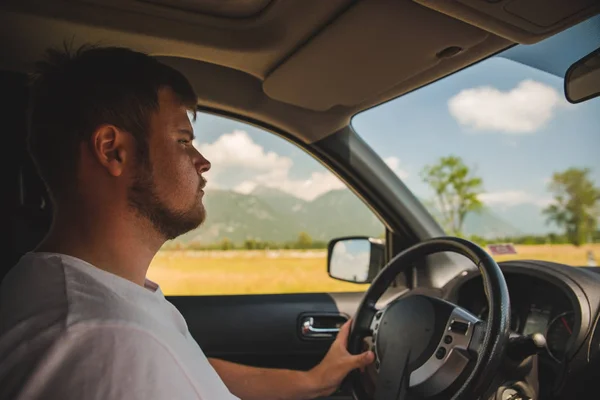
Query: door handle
(310, 328)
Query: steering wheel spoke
(451, 356)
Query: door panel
(263, 330)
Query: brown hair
(74, 92)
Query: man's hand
(328, 375)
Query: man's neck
(124, 246)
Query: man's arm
(251, 383)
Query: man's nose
(201, 163)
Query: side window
(271, 211)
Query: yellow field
(244, 272)
(288, 271)
(560, 253)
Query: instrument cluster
(537, 306)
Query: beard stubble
(168, 223)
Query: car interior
(444, 319)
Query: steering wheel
(425, 346)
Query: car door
(252, 281)
(266, 330)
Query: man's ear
(110, 146)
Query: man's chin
(183, 223)
(167, 222)
(201, 218)
(195, 219)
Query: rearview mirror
(355, 259)
(582, 80)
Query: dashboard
(560, 302)
(537, 306)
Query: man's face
(168, 189)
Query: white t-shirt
(69, 330)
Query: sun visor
(521, 21)
(370, 48)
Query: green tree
(479, 240)
(575, 208)
(304, 240)
(456, 191)
(596, 236)
(554, 238)
(226, 244)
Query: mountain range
(270, 214)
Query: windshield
(497, 154)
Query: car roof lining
(303, 66)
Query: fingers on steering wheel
(344, 332)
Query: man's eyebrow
(187, 132)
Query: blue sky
(516, 153)
(508, 121)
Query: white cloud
(512, 198)
(237, 149)
(521, 110)
(308, 189)
(394, 164)
(246, 187)
(233, 152)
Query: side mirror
(355, 259)
(582, 80)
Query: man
(111, 136)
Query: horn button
(424, 338)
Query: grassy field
(288, 271)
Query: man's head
(114, 124)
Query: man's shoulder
(45, 303)
(108, 336)
(43, 284)
(98, 359)
(101, 329)
(33, 288)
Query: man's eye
(184, 141)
